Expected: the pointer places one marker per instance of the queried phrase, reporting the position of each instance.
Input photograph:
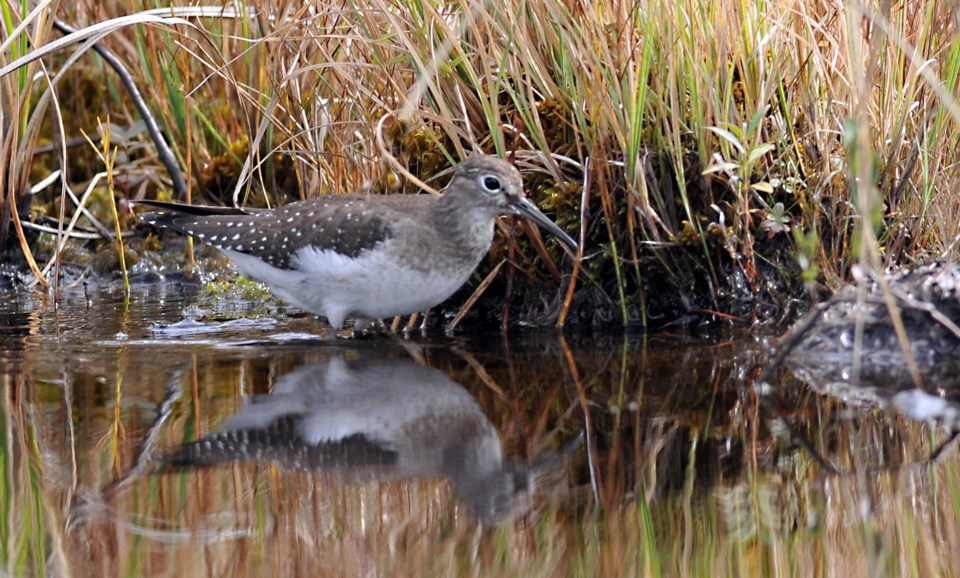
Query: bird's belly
(402, 292)
(370, 286)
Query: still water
(162, 435)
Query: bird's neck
(469, 228)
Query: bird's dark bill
(530, 211)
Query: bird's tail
(163, 220)
(176, 216)
(194, 210)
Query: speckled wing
(279, 442)
(343, 224)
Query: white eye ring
(491, 184)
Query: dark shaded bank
(888, 333)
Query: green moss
(236, 288)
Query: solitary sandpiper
(374, 418)
(366, 257)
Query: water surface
(160, 435)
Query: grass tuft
(734, 151)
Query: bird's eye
(491, 184)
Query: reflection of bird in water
(376, 419)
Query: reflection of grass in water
(694, 480)
(31, 529)
(242, 517)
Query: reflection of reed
(372, 419)
(693, 476)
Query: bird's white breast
(373, 285)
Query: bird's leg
(363, 328)
(423, 323)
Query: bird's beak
(527, 209)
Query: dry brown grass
(697, 120)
